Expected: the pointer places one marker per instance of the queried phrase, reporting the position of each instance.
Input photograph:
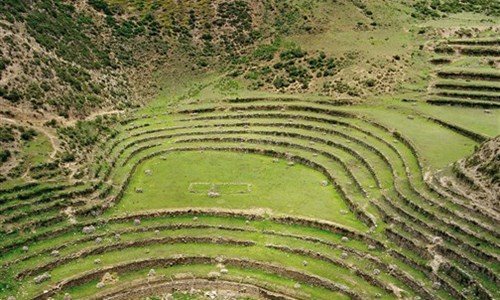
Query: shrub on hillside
(292, 53)
(28, 135)
(6, 134)
(281, 82)
(4, 155)
(13, 96)
(3, 63)
(87, 133)
(100, 5)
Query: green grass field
(276, 187)
(438, 146)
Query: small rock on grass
(211, 294)
(213, 275)
(437, 240)
(41, 278)
(436, 285)
(169, 297)
(88, 229)
(212, 194)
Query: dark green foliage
(236, 14)
(4, 62)
(288, 17)
(52, 24)
(370, 82)
(202, 63)
(86, 133)
(13, 95)
(13, 10)
(207, 37)
(45, 166)
(100, 5)
(34, 91)
(76, 77)
(67, 157)
(281, 82)
(4, 155)
(6, 134)
(434, 8)
(292, 53)
(444, 49)
(51, 123)
(129, 29)
(45, 86)
(295, 66)
(28, 135)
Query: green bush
(370, 82)
(281, 82)
(13, 96)
(4, 62)
(434, 9)
(67, 157)
(100, 5)
(86, 133)
(28, 135)
(51, 123)
(34, 91)
(6, 134)
(292, 53)
(56, 26)
(13, 10)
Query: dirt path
(54, 141)
(94, 115)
